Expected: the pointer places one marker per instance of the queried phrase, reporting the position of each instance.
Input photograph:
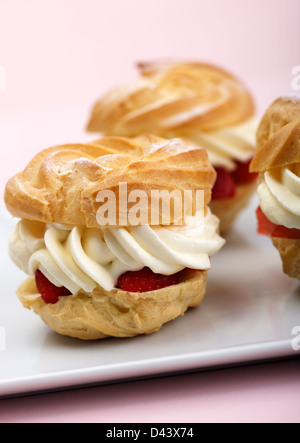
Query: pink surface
(59, 57)
(268, 393)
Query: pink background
(59, 57)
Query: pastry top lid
(278, 135)
(61, 184)
(173, 99)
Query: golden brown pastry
(278, 162)
(200, 103)
(61, 184)
(94, 276)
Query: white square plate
(248, 315)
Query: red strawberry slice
(242, 175)
(49, 292)
(283, 232)
(224, 187)
(145, 280)
(266, 227)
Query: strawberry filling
(225, 186)
(266, 227)
(133, 281)
(241, 175)
(49, 292)
(146, 280)
(227, 182)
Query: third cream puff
(278, 163)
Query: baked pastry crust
(61, 184)
(173, 99)
(116, 313)
(289, 250)
(278, 135)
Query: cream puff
(91, 276)
(200, 103)
(278, 163)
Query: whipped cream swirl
(82, 258)
(226, 146)
(279, 195)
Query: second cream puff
(201, 103)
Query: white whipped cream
(226, 146)
(279, 195)
(82, 258)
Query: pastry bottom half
(289, 250)
(101, 314)
(227, 210)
